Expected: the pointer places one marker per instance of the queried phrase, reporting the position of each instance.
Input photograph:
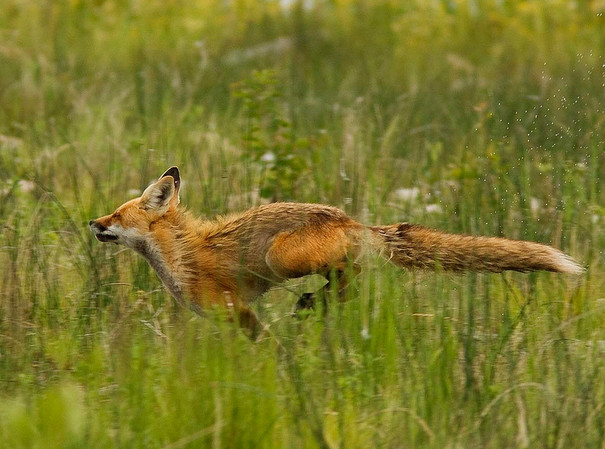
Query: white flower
(26, 186)
(433, 209)
(404, 194)
(365, 334)
(268, 157)
(535, 204)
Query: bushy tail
(413, 246)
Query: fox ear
(176, 176)
(159, 194)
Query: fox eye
(116, 215)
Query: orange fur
(230, 261)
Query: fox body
(232, 260)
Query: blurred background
(473, 116)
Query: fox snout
(101, 232)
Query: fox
(229, 261)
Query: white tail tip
(566, 264)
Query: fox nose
(97, 226)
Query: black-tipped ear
(174, 172)
(158, 195)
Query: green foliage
(55, 419)
(268, 139)
(473, 116)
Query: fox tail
(412, 246)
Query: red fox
(232, 260)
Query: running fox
(232, 260)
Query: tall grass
(471, 116)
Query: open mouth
(101, 232)
(106, 237)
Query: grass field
(480, 117)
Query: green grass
(492, 110)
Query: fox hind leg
(304, 305)
(306, 301)
(337, 279)
(309, 250)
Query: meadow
(471, 116)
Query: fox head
(131, 222)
